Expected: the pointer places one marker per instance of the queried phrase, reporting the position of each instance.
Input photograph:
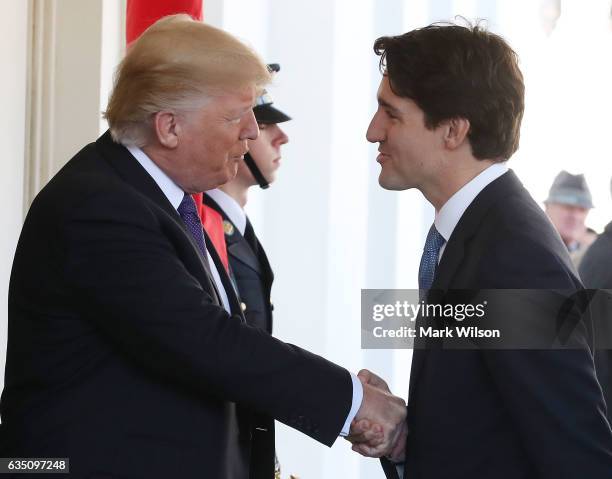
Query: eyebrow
(242, 111)
(388, 106)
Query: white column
(13, 51)
(75, 48)
(112, 50)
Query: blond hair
(177, 64)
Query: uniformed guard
(248, 263)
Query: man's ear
(165, 125)
(455, 132)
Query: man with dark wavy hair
(450, 105)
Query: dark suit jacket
(596, 273)
(119, 355)
(253, 276)
(489, 414)
(596, 265)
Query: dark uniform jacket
(251, 270)
(253, 277)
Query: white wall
(568, 98)
(77, 82)
(75, 50)
(67, 51)
(112, 50)
(13, 54)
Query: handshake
(379, 428)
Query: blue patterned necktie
(429, 260)
(189, 215)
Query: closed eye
(238, 116)
(389, 109)
(391, 114)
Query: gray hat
(568, 189)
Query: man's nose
(250, 130)
(281, 137)
(577, 211)
(373, 133)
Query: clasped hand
(379, 428)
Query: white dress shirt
(452, 211)
(237, 215)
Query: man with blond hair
(127, 351)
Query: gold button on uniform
(243, 307)
(228, 228)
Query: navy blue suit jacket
(493, 414)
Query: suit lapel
(232, 296)
(266, 269)
(239, 249)
(469, 224)
(135, 175)
(456, 246)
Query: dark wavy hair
(453, 71)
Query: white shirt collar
(452, 211)
(231, 208)
(172, 191)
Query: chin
(391, 183)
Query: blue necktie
(189, 215)
(429, 260)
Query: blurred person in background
(568, 204)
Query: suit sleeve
(141, 297)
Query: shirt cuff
(357, 398)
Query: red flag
(140, 15)
(213, 224)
